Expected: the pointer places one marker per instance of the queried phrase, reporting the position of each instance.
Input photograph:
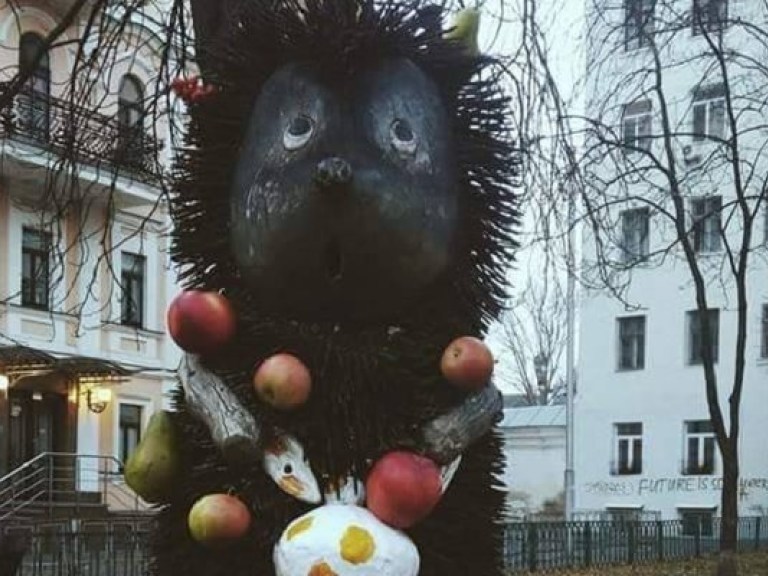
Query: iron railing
(23, 487)
(65, 127)
(76, 548)
(611, 515)
(122, 548)
(73, 483)
(553, 545)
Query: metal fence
(87, 549)
(121, 548)
(549, 545)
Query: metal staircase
(64, 486)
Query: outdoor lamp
(98, 398)
(4, 382)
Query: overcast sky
(562, 25)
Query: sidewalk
(750, 564)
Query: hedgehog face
(344, 200)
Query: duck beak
(292, 485)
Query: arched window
(130, 119)
(35, 96)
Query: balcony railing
(81, 134)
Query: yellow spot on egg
(321, 569)
(357, 545)
(298, 527)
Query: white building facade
(643, 439)
(85, 276)
(534, 461)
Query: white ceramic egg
(342, 540)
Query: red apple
(467, 363)
(402, 488)
(283, 381)
(218, 519)
(200, 322)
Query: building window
(706, 216)
(132, 276)
(696, 339)
(638, 23)
(709, 113)
(130, 120)
(623, 516)
(709, 15)
(636, 126)
(699, 448)
(629, 448)
(35, 268)
(634, 235)
(764, 333)
(632, 343)
(34, 98)
(130, 429)
(697, 521)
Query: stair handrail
(11, 485)
(108, 469)
(17, 476)
(102, 474)
(27, 464)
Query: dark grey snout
(332, 173)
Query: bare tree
(668, 169)
(533, 335)
(675, 178)
(533, 331)
(67, 138)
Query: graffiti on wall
(684, 484)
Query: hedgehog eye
(403, 138)
(298, 132)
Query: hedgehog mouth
(334, 260)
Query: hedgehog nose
(333, 172)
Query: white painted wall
(534, 453)
(99, 333)
(668, 391)
(88, 425)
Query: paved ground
(749, 565)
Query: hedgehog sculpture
(347, 188)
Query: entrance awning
(85, 367)
(23, 361)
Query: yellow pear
(465, 29)
(152, 469)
